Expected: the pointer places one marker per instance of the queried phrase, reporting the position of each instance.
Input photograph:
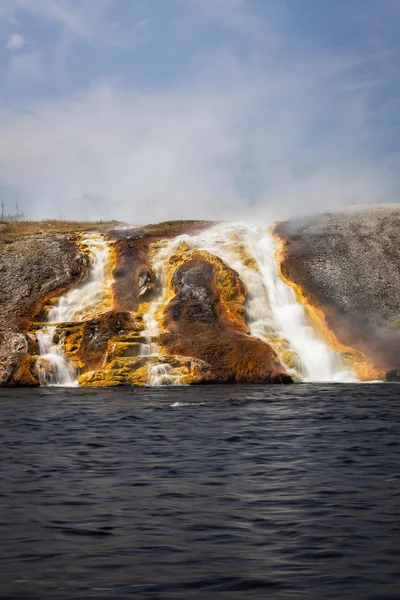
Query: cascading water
(160, 373)
(53, 369)
(273, 313)
(316, 360)
(77, 305)
(84, 301)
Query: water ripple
(209, 492)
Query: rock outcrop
(132, 274)
(348, 265)
(202, 336)
(171, 312)
(206, 320)
(32, 270)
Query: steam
(236, 138)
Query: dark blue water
(238, 492)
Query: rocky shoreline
(346, 265)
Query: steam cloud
(241, 137)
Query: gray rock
(349, 263)
(31, 270)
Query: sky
(147, 110)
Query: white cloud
(147, 156)
(295, 135)
(15, 42)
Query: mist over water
(205, 110)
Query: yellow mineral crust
(236, 244)
(71, 335)
(111, 265)
(232, 294)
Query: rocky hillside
(348, 265)
(32, 270)
(204, 339)
(172, 310)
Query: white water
(53, 369)
(83, 301)
(273, 313)
(159, 373)
(77, 305)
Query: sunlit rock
(191, 302)
(206, 320)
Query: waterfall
(84, 301)
(160, 373)
(273, 313)
(79, 304)
(316, 360)
(52, 367)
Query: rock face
(348, 264)
(31, 271)
(202, 336)
(132, 275)
(206, 320)
(169, 311)
(86, 342)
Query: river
(201, 492)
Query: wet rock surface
(31, 271)
(15, 362)
(348, 264)
(206, 320)
(37, 268)
(133, 275)
(85, 343)
(34, 269)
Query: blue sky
(152, 109)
